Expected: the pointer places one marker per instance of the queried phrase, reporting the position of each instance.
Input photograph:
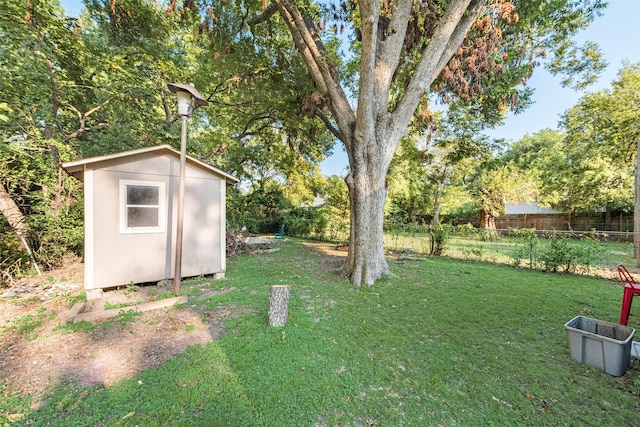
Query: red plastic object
(631, 289)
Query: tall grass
(444, 342)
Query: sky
(616, 32)
(71, 7)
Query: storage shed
(130, 209)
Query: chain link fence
(582, 252)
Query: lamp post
(187, 96)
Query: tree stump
(278, 305)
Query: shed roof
(528, 209)
(76, 168)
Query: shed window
(142, 206)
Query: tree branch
(313, 52)
(18, 222)
(55, 98)
(82, 118)
(258, 117)
(168, 114)
(382, 41)
(369, 15)
(391, 48)
(263, 16)
(329, 125)
(448, 36)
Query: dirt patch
(331, 250)
(36, 354)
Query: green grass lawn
(443, 343)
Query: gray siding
(121, 258)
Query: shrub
(464, 229)
(439, 236)
(526, 250)
(13, 259)
(556, 254)
(566, 254)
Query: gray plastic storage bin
(601, 344)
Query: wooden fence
(577, 222)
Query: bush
(527, 249)
(259, 211)
(556, 254)
(59, 234)
(298, 222)
(50, 201)
(488, 235)
(439, 236)
(525, 234)
(14, 261)
(569, 255)
(464, 229)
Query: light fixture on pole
(187, 96)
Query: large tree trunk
(487, 221)
(13, 214)
(17, 222)
(439, 190)
(436, 207)
(365, 262)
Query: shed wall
(118, 258)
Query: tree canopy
(284, 80)
(601, 136)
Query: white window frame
(162, 207)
